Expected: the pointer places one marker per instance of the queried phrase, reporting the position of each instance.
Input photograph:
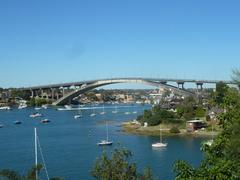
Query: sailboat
(79, 115)
(105, 142)
(36, 144)
(115, 111)
(93, 113)
(209, 142)
(127, 112)
(103, 111)
(134, 112)
(159, 144)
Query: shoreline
(130, 128)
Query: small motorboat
(17, 122)
(45, 121)
(1, 125)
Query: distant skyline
(56, 41)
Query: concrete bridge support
(32, 93)
(180, 85)
(199, 84)
(52, 93)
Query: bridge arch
(95, 84)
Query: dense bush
(174, 130)
(156, 116)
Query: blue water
(69, 145)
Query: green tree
(20, 93)
(221, 90)
(186, 109)
(118, 167)
(200, 112)
(236, 77)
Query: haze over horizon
(47, 42)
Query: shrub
(174, 130)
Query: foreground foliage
(118, 167)
(222, 158)
(31, 174)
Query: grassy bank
(131, 128)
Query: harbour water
(70, 145)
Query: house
(194, 125)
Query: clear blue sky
(52, 41)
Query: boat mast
(36, 160)
(160, 133)
(107, 129)
(212, 130)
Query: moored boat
(159, 144)
(44, 121)
(17, 122)
(5, 108)
(34, 115)
(105, 142)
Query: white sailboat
(115, 110)
(34, 115)
(93, 112)
(103, 111)
(37, 108)
(105, 142)
(159, 144)
(79, 115)
(127, 112)
(209, 142)
(36, 144)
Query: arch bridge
(65, 92)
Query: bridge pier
(41, 93)
(63, 90)
(52, 93)
(199, 84)
(32, 93)
(180, 84)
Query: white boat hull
(77, 116)
(105, 143)
(159, 145)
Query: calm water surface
(69, 145)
